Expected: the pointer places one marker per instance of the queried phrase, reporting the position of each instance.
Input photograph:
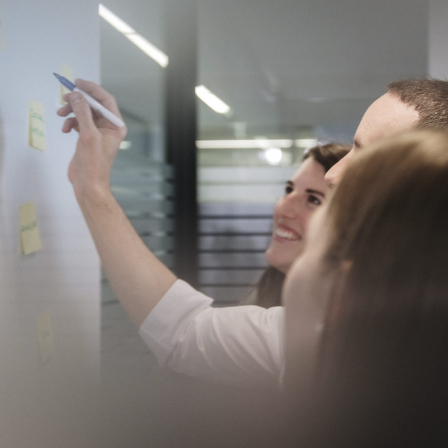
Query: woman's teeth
(285, 234)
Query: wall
(437, 39)
(42, 400)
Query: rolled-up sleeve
(234, 345)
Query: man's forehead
(386, 116)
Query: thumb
(83, 113)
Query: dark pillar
(180, 102)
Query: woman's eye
(288, 189)
(314, 200)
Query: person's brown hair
(327, 155)
(384, 348)
(429, 97)
(269, 287)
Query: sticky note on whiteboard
(29, 230)
(36, 138)
(66, 72)
(45, 339)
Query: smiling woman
(304, 193)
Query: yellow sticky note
(66, 72)
(2, 36)
(36, 137)
(29, 230)
(45, 339)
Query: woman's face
(304, 193)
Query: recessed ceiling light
(125, 144)
(273, 156)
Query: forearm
(138, 279)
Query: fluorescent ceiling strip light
(159, 56)
(212, 100)
(114, 20)
(306, 142)
(243, 144)
(147, 47)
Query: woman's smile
(282, 233)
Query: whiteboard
(64, 276)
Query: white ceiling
(279, 64)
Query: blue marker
(95, 105)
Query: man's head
(421, 103)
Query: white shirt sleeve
(234, 345)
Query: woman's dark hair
(383, 363)
(327, 155)
(269, 287)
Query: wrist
(92, 195)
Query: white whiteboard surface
(64, 276)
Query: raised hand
(98, 141)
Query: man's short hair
(429, 97)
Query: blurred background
(278, 77)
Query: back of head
(428, 96)
(384, 348)
(391, 212)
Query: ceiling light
(243, 144)
(159, 56)
(212, 100)
(114, 20)
(147, 47)
(125, 144)
(273, 156)
(306, 142)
